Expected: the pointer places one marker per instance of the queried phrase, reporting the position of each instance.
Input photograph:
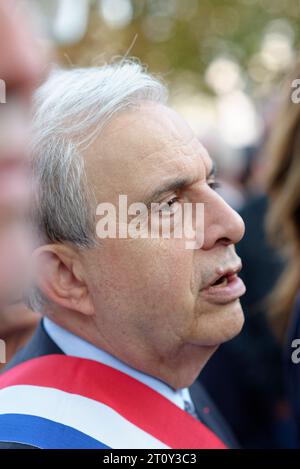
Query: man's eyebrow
(175, 185)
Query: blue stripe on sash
(44, 433)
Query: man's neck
(73, 345)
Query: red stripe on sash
(132, 399)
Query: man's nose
(222, 224)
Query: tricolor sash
(59, 401)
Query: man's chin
(233, 322)
(220, 324)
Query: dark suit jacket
(41, 344)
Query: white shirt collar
(75, 346)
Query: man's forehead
(151, 120)
(151, 141)
(182, 157)
(146, 130)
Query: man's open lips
(225, 288)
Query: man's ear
(60, 277)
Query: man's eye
(169, 206)
(214, 185)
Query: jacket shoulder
(40, 344)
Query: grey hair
(70, 109)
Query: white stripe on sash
(86, 415)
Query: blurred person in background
(284, 226)
(18, 324)
(21, 69)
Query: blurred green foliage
(181, 38)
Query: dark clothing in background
(245, 376)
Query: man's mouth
(225, 287)
(224, 280)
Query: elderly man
(21, 69)
(130, 321)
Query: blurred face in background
(21, 69)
